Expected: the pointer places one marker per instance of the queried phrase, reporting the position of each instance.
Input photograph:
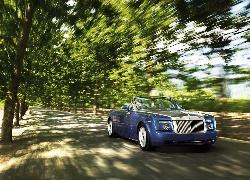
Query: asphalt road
(64, 146)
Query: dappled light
(234, 125)
(126, 168)
(61, 145)
(124, 153)
(79, 59)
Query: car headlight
(210, 124)
(165, 126)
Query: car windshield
(156, 103)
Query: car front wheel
(111, 132)
(144, 139)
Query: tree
(19, 15)
(98, 43)
(22, 40)
(152, 23)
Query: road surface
(58, 145)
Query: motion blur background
(101, 53)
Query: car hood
(176, 114)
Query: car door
(120, 122)
(131, 120)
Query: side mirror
(130, 107)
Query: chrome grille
(188, 126)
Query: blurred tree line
(100, 53)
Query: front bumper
(168, 138)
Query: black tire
(144, 139)
(111, 132)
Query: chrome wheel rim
(142, 136)
(110, 128)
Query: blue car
(158, 121)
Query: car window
(154, 103)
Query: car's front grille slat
(188, 126)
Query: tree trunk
(11, 97)
(6, 135)
(17, 117)
(95, 104)
(23, 106)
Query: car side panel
(122, 124)
(132, 119)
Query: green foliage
(185, 94)
(198, 100)
(202, 100)
(103, 52)
(217, 105)
(9, 26)
(238, 105)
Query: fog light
(210, 126)
(167, 127)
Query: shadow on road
(59, 145)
